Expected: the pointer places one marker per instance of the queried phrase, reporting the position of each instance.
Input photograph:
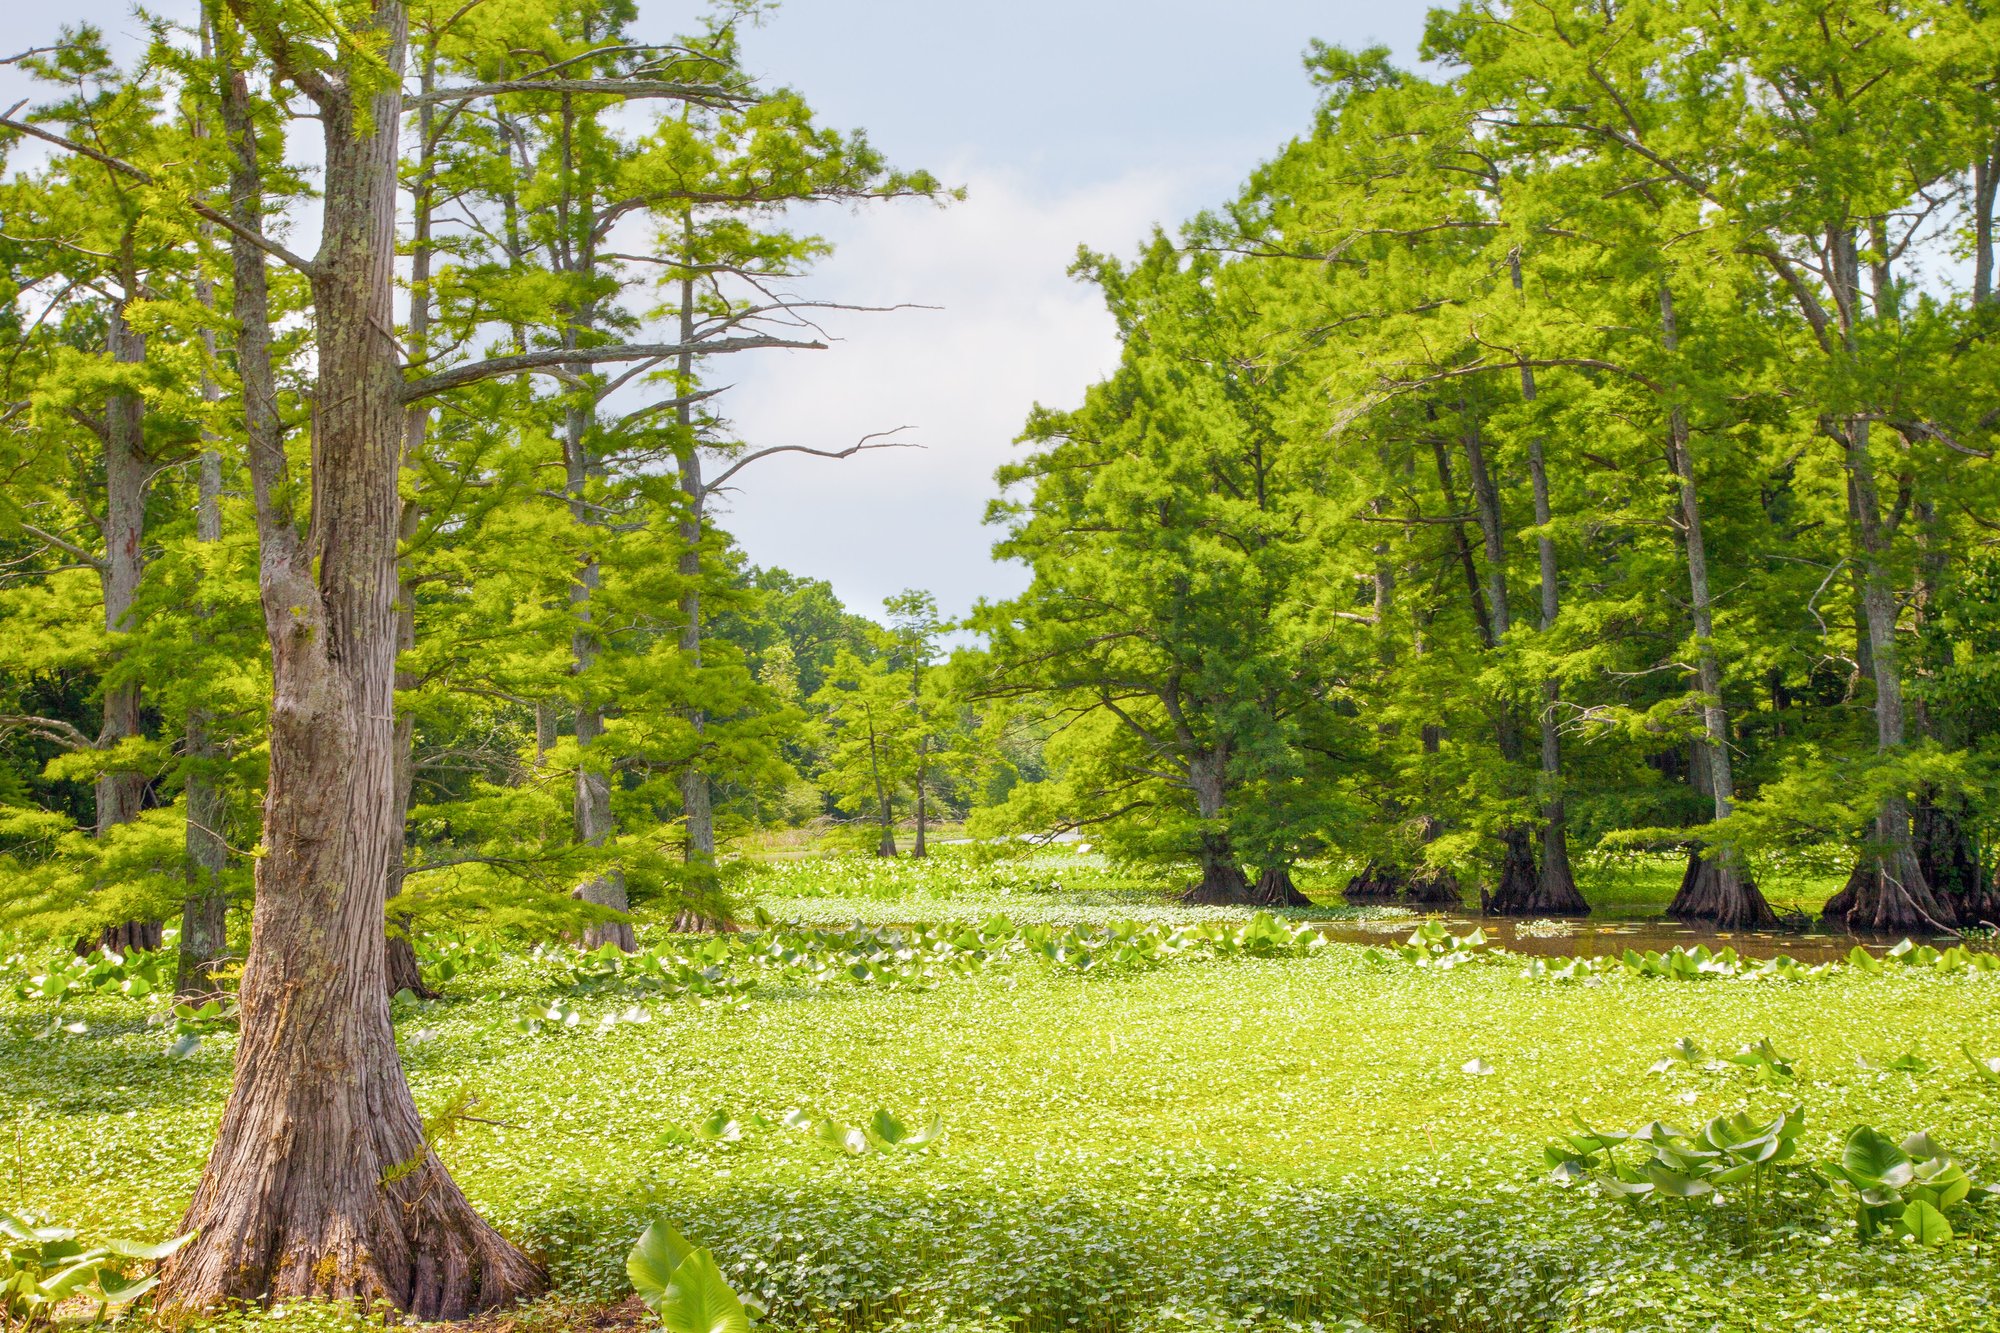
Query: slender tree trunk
(404, 971)
(1517, 887)
(1486, 504)
(1556, 893)
(697, 796)
(321, 1183)
(1985, 179)
(1380, 879)
(923, 777)
(885, 846)
(590, 807)
(121, 791)
(1555, 886)
(1482, 618)
(205, 911)
(1715, 889)
(1887, 892)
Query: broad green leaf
(137, 1249)
(652, 1262)
(117, 1290)
(700, 1300)
(1676, 1184)
(1870, 1156)
(1926, 1223)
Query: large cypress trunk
(1516, 890)
(1274, 888)
(321, 1183)
(1375, 882)
(1950, 863)
(1222, 881)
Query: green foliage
(682, 1285)
(1202, 1136)
(43, 1267)
(1904, 1189)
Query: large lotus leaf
(118, 1290)
(1676, 1184)
(1920, 1147)
(1869, 1156)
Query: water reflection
(1568, 939)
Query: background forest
(1583, 448)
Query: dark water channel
(1592, 937)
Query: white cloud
(1011, 330)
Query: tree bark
(321, 1183)
(1222, 881)
(121, 791)
(1715, 888)
(1274, 888)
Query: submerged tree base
(1715, 892)
(1274, 888)
(127, 937)
(1524, 892)
(699, 921)
(1377, 883)
(1434, 886)
(1221, 885)
(1885, 894)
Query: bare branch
(697, 94)
(90, 558)
(864, 443)
(49, 729)
(554, 358)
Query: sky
(1067, 122)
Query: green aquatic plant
(43, 1267)
(681, 1283)
(1904, 1189)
